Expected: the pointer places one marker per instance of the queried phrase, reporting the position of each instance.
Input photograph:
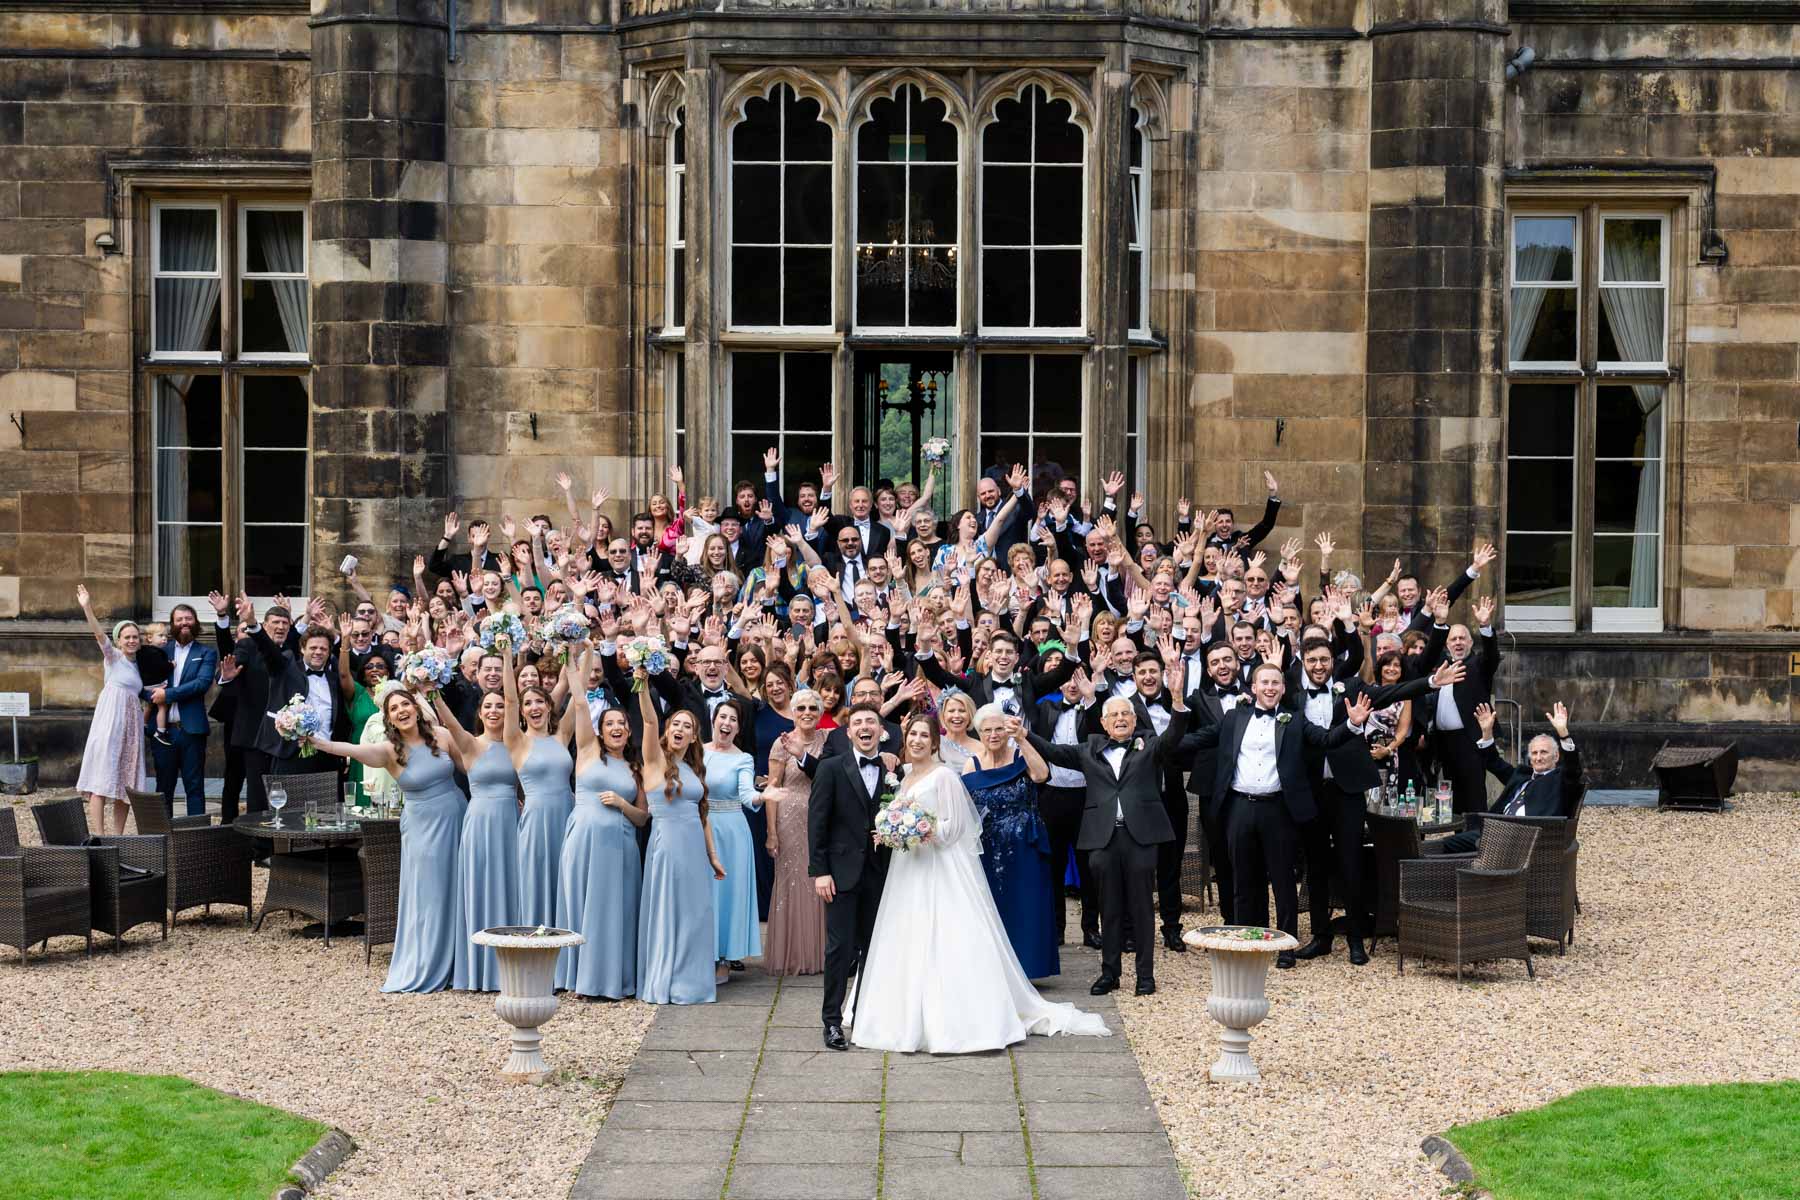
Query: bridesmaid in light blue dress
(730, 788)
(487, 863)
(601, 872)
(677, 933)
(423, 760)
(540, 755)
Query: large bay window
(1587, 391)
(907, 214)
(781, 399)
(228, 390)
(1033, 215)
(1031, 411)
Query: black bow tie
(715, 693)
(321, 672)
(862, 762)
(1262, 712)
(1316, 691)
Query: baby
(156, 633)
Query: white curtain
(1635, 317)
(283, 247)
(1534, 261)
(172, 483)
(187, 309)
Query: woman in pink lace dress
(795, 944)
(114, 758)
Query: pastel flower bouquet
(649, 653)
(427, 670)
(299, 720)
(904, 825)
(935, 450)
(565, 629)
(503, 628)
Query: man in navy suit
(1547, 787)
(193, 665)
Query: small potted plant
(19, 775)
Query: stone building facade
(279, 285)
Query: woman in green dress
(361, 694)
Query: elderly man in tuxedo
(1453, 713)
(1261, 765)
(1124, 821)
(1339, 777)
(1547, 787)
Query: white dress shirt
(1448, 715)
(871, 773)
(1115, 758)
(1318, 711)
(1256, 773)
(1159, 716)
(1065, 735)
(177, 663)
(318, 691)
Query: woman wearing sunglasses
(796, 941)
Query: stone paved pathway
(739, 1101)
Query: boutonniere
(1338, 686)
(1137, 743)
(891, 780)
(1283, 718)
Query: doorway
(903, 398)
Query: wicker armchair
(1464, 911)
(380, 855)
(1396, 839)
(1550, 880)
(122, 899)
(43, 891)
(208, 864)
(318, 881)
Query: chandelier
(890, 269)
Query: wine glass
(277, 801)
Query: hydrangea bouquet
(904, 825)
(503, 628)
(565, 629)
(648, 653)
(298, 720)
(427, 670)
(935, 450)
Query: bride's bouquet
(904, 825)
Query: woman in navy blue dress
(1003, 778)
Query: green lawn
(1733, 1141)
(96, 1134)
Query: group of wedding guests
(664, 815)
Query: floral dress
(114, 757)
(796, 941)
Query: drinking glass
(312, 814)
(277, 801)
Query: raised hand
(1558, 717)
(817, 521)
(1184, 508)
(827, 475)
(246, 612)
(418, 564)
(1439, 603)
(1325, 545)
(1018, 477)
(1165, 648)
(1484, 717)
(1484, 554)
(1137, 502)
(221, 604)
(1291, 548)
(1358, 712)
(1269, 482)
(478, 539)
(1175, 676)
(771, 460)
(1113, 483)
(509, 529)
(81, 596)
(564, 481)
(460, 581)
(1394, 575)
(343, 624)
(1484, 612)
(452, 523)
(1084, 684)
(1448, 673)
(675, 475)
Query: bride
(940, 975)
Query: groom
(847, 869)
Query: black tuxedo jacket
(1136, 790)
(443, 562)
(1292, 738)
(1030, 686)
(875, 541)
(1477, 687)
(1552, 795)
(287, 679)
(1352, 767)
(1207, 704)
(840, 817)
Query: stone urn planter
(1240, 956)
(527, 999)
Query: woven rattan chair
(44, 891)
(1196, 864)
(208, 864)
(1463, 911)
(1395, 839)
(380, 855)
(1550, 881)
(321, 882)
(129, 879)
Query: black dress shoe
(1146, 987)
(1359, 957)
(1319, 947)
(1285, 960)
(1091, 941)
(834, 1038)
(1172, 941)
(736, 964)
(1103, 985)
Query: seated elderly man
(1546, 788)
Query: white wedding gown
(940, 975)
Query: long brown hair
(630, 753)
(393, 735)
(692, 756)
(930, 722)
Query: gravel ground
(279, 1019)
(1682, 972)
(1668, 982)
